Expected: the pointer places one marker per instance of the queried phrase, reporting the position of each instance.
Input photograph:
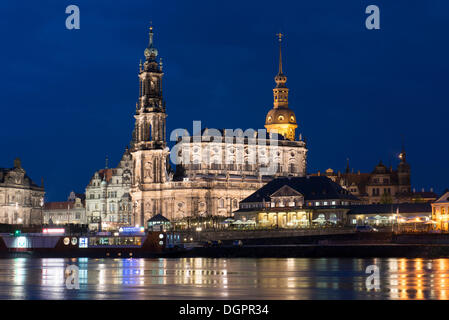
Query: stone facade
(72, 211)
(21, 200)
(108, 201)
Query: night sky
(68, 96)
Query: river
(204, 278)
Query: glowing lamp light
(53, 231)
(21, 242)
(132, 230)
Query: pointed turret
(281, 119)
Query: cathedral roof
(281, 116)
(7, 176)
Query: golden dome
(280, 116)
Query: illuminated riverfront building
(108, 200)
(440, 212)
(297, 202)
(382, 185)
(301, 202)
(21, 200)
(212, 175)
(72, 211)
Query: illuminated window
(281, 118)
(292, 118)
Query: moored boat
(55, 243)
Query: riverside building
(21, 200)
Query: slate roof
(286, 191)
(312, 188)
(444, 198)
(391, 208)
(158, 218)
(59, 205)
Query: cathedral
(214, 168)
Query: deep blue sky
(68, 96)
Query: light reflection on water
(202, 278)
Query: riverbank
(338, 245)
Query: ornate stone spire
(150, 52)
(149, 130)
(280, 78)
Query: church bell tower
(149, 130)
(148, 148)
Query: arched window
(292, 168)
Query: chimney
(431, 189)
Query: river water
(203, 278)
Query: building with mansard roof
(21, 199)
(297, 202)
(215, 169)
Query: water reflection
(201, 278)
